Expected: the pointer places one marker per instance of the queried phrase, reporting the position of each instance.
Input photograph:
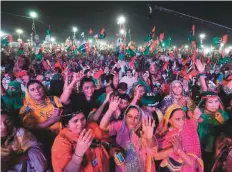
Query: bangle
(78, 155)
(201, 74)
(75, 163)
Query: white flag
(83, 34)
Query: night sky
(62, 16)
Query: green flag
(128, 37)
(169, 42)
(216, 42)
(130, 52)
(147, 51)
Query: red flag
(193, 29)
(224, 39)
(153, 30)
(102, 31)
(90, 31)
(161, 36)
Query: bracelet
(201, 74)
(78, 155)
(75, 163)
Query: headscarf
(14, 99)
(132, 158)
(17, 86)
(124, 120)
(164, 123)
(209, 94)
(171, 87)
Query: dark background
(62, 16)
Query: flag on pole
(224, 39)
(83, 34)
(84, 48)
(90, 31)
(153, 32)
(128, 37)
(102, 34)
(48, 35)
(6, 40)
(161, 36)
(192, 34)
(193, 29)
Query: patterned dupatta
(190, 143)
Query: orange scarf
(64, 147)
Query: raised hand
(197, 113)
(200, 66)
(137, 93)
(148, 125)
(84, 142)
(176, 143)
(114, 103)
(108, 97)
(77, 77)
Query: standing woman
(134, 137)
(179, 134)
(177, 97)
(211, 114)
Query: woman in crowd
(86, 100)
(13, 97)
(20, 150)
(177, 97)
(41, 114)
(137, 93)
(223, 149)
(186, 153)
(211, 114)
(134, 137)
(72, 150)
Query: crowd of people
(164, 112)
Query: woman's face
(25, 79)
(177, 89)
(153, 69)
(178, 119)
(77, 123)
(88, 89)
(146, 74)
(212, 104)
(36, 91)
(141, 91)
(132, 118)
(123, 104)
(106, 70)
(6, 125)
(129, 74)
(89, 74)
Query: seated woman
(134, 137)
(72, 149)
(13, 97)
(41, 114)
(20, 150)
(186, 154)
